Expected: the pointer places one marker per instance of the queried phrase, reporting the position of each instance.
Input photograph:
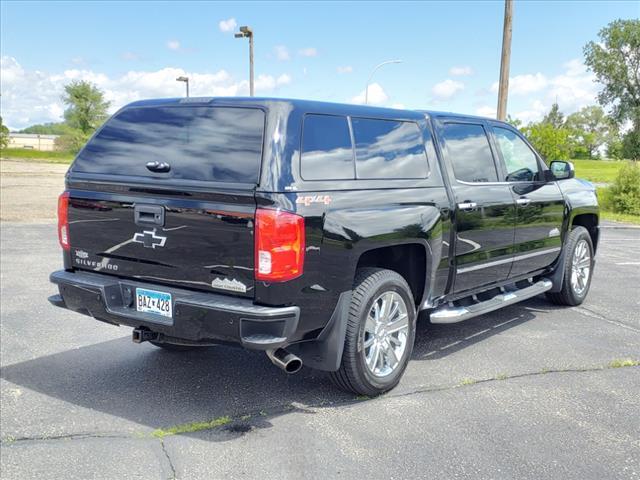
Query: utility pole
(247, 32)
(503, 88)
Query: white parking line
(628, 263)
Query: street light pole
(247, 32)
(186, 81)
(503, 87)
(366, 90)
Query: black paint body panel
(208, 228)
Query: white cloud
(345, 69)
(283, 79)
(376, 95)
(573, 89)
(534, 113)
(447, 89)
(524, 84)
(486, 111)
(461, 71)
(282, 53)
(173, 45)
(308, 52)
(31, 96)
(399, 106)
(228, 25)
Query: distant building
(32, 141)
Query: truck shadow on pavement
(160, 389)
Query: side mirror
(562, 170)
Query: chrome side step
(458, 314)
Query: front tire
(380, 333)
(578, 269)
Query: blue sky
(323, 51)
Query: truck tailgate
(197, 244)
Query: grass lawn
(601, 171)
(21, 154)
(620, 217)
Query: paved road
(527, 392)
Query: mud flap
(557, 277)
(325, 353)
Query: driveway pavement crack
(591, 313)
(172, 468)
(71, 436)
(469, 381)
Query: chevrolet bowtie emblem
(149, 239)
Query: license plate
(150, 301)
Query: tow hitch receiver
(140, 335)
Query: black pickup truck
(315, 232)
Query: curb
(621, 227)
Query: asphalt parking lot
(532, 391)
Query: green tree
(615, 60)
(614, 147)
(4, 135)
(58, 128)
(554, 117)
(514, 122)
(86, 106)
(72, 141)
(631, 145)
(590, 129)
(550, 142)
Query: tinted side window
(520, 161)
(327, 153)
(388, 149)
(469, 152)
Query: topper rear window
(221, 144)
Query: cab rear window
(384, 149)
(221, 144)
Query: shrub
(72, 141)
(604, 198)
(624, 194)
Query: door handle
(148, 215)
(468, 206)
(523, 201)
(160, 167)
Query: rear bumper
(198, 317)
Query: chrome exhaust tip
(284, 360)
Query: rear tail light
(279, 254)
(63, 220)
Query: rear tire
(172, 347)
(578, 269)
(381, 328)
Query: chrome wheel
(385, 334)
(580, 267)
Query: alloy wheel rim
(386, 334)
(581, 267)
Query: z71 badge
(307, 200)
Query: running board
(458, 314)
